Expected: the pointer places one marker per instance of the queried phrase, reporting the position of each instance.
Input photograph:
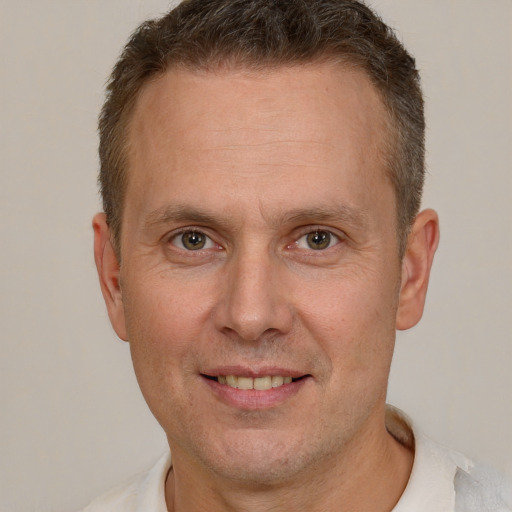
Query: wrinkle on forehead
(255, 116)
(272, 143)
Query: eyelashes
(192, 240)
(196, 240)
(317, 240)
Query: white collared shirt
(442, 480)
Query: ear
(417, 262)
(108, 268)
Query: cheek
(352, 317)
(163, 310)
(160, 327)
(163, 325)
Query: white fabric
(143, 493)
(441, 480)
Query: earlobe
(417, 262)
(108, 268)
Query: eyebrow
(345, 213)
(182, 213)
(179, 213)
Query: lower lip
(254, 399)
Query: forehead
(261, 129)
(225, 98)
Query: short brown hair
(208, 34)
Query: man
(262, 164)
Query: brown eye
(318, 240)
(193, 240)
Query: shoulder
(142, 492)
(482, 489)
(477, 488)
(443, 479)
(120, 498)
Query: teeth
(263, 383)
(260, 383)
(245, 383)
(232, 381)
(277, 381)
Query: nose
(253, 302)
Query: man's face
(259, 242)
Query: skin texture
(256, 162)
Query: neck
(369, 476)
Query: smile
(264, 389)
(258, 383)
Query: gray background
(73, 422)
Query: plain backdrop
(73, 422)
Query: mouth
(264, 389)
(263, 383)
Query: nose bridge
(252, 302)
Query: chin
(261, 458)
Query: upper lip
(253, 372)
